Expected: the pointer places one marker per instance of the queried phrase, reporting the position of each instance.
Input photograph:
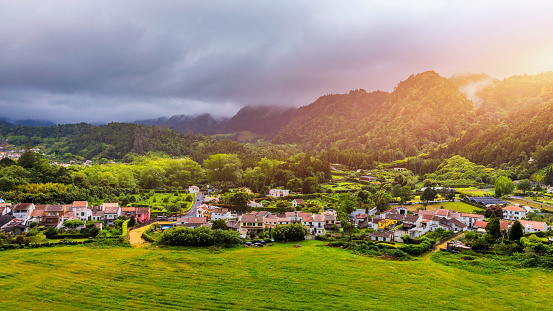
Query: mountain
(331, 118)
(204, 123)
(27, 122)
(262, 120)
(424, 110)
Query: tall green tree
(524, 185)
(223, 167)
(428, 195)
(503, 186)
(516, 231)
(494, 227)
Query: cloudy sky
(98, 61)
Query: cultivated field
(280, 277)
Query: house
(128, 212)
(5, 208)
(361, 218)
(270, 221)
(79, 204)
(23, 211)
(296, 202)
(111, 212)
(233, 225)
(318, 224)
(251, 224)
(220, 213)
(53, 215)
(283, 221)
(97, 214)
(513, 212)
(381, 236)
(254, 204)
(38, 214)
(191, 222)
(399, 169)
(480, 225)
(5, 219)
(142, 214)
(277, 193)
(533, 226)
(469, 219)
(15, 227)
(193, 189)
(83, 213)
(204, 211)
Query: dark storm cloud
(72, 61)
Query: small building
(128, 212)
(368, 178)
(254, 204)
(381, 236)
(296, 202)
(23, 211)
(278, 193)
(142, 214)
(251, 224)
(193, 189)
(533, 226)
(112, 211)
(53, 214)
(399, 169)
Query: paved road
(530, 201)
(195, 204)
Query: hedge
(147, 237)
(70, 236)
(124, 228)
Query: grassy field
(159, 201)
(281, 277)
(475, 192)
(456, 206)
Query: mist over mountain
(26, 122)
(204, 123)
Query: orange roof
(128, 209)
(80, 204)
(514, 208)
(536, 225)
(471, 215)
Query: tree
(362, 195)
(348, 229)
(292, 232)
(223, 167)
(346, 203)
(28, 159)
(152, 177)
(516, 231)
(294, 184)
(548, 179)
(524, 185)
(131, 222)
(496, 210)
(503, 186)
(73, 223)
(50, 232)
(404, 193)
(494, 227)
(428, 195)
(219, 224)
(310, 185)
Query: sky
(100, 61)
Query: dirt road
(135, 236)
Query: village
(392, 225)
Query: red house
(142, 214)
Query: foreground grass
(281, 277)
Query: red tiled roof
(80, 204)
(471, 215)
(55, 208)
(128, 209)
(480, 224)
(536, 225)
(514, 208)
(23, 206)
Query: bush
(201, 236)
(50, 232)
(293, 232)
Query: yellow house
(385, 224)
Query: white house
(470, 219)
(549, 189)
(193, 189)
(23, 211)
(277, 193)
(318, 224)
(533, 226)
(220, 213)
(5, 208)
(83, 214)
(296, 202)
(111, 212)
(384, 236)
(191, 222)
(513, 212)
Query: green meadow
(280, 277)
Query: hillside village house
(296, 202)
(513, 212)
(368, 178)
(193, 189)
(278, 193)
(38, 214)
(97, 213)
(220, 213)
(254, 204)
(142, 214)
(5, 208)
(128, 212)
(79, 204)
(250, 223)
(470, 219)
(83, 214)
(23, 211)
(53, 215)
(111, 212)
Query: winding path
(135, 236)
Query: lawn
(475, 191)
(160, 200)
(461, 207)
(282, 277)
